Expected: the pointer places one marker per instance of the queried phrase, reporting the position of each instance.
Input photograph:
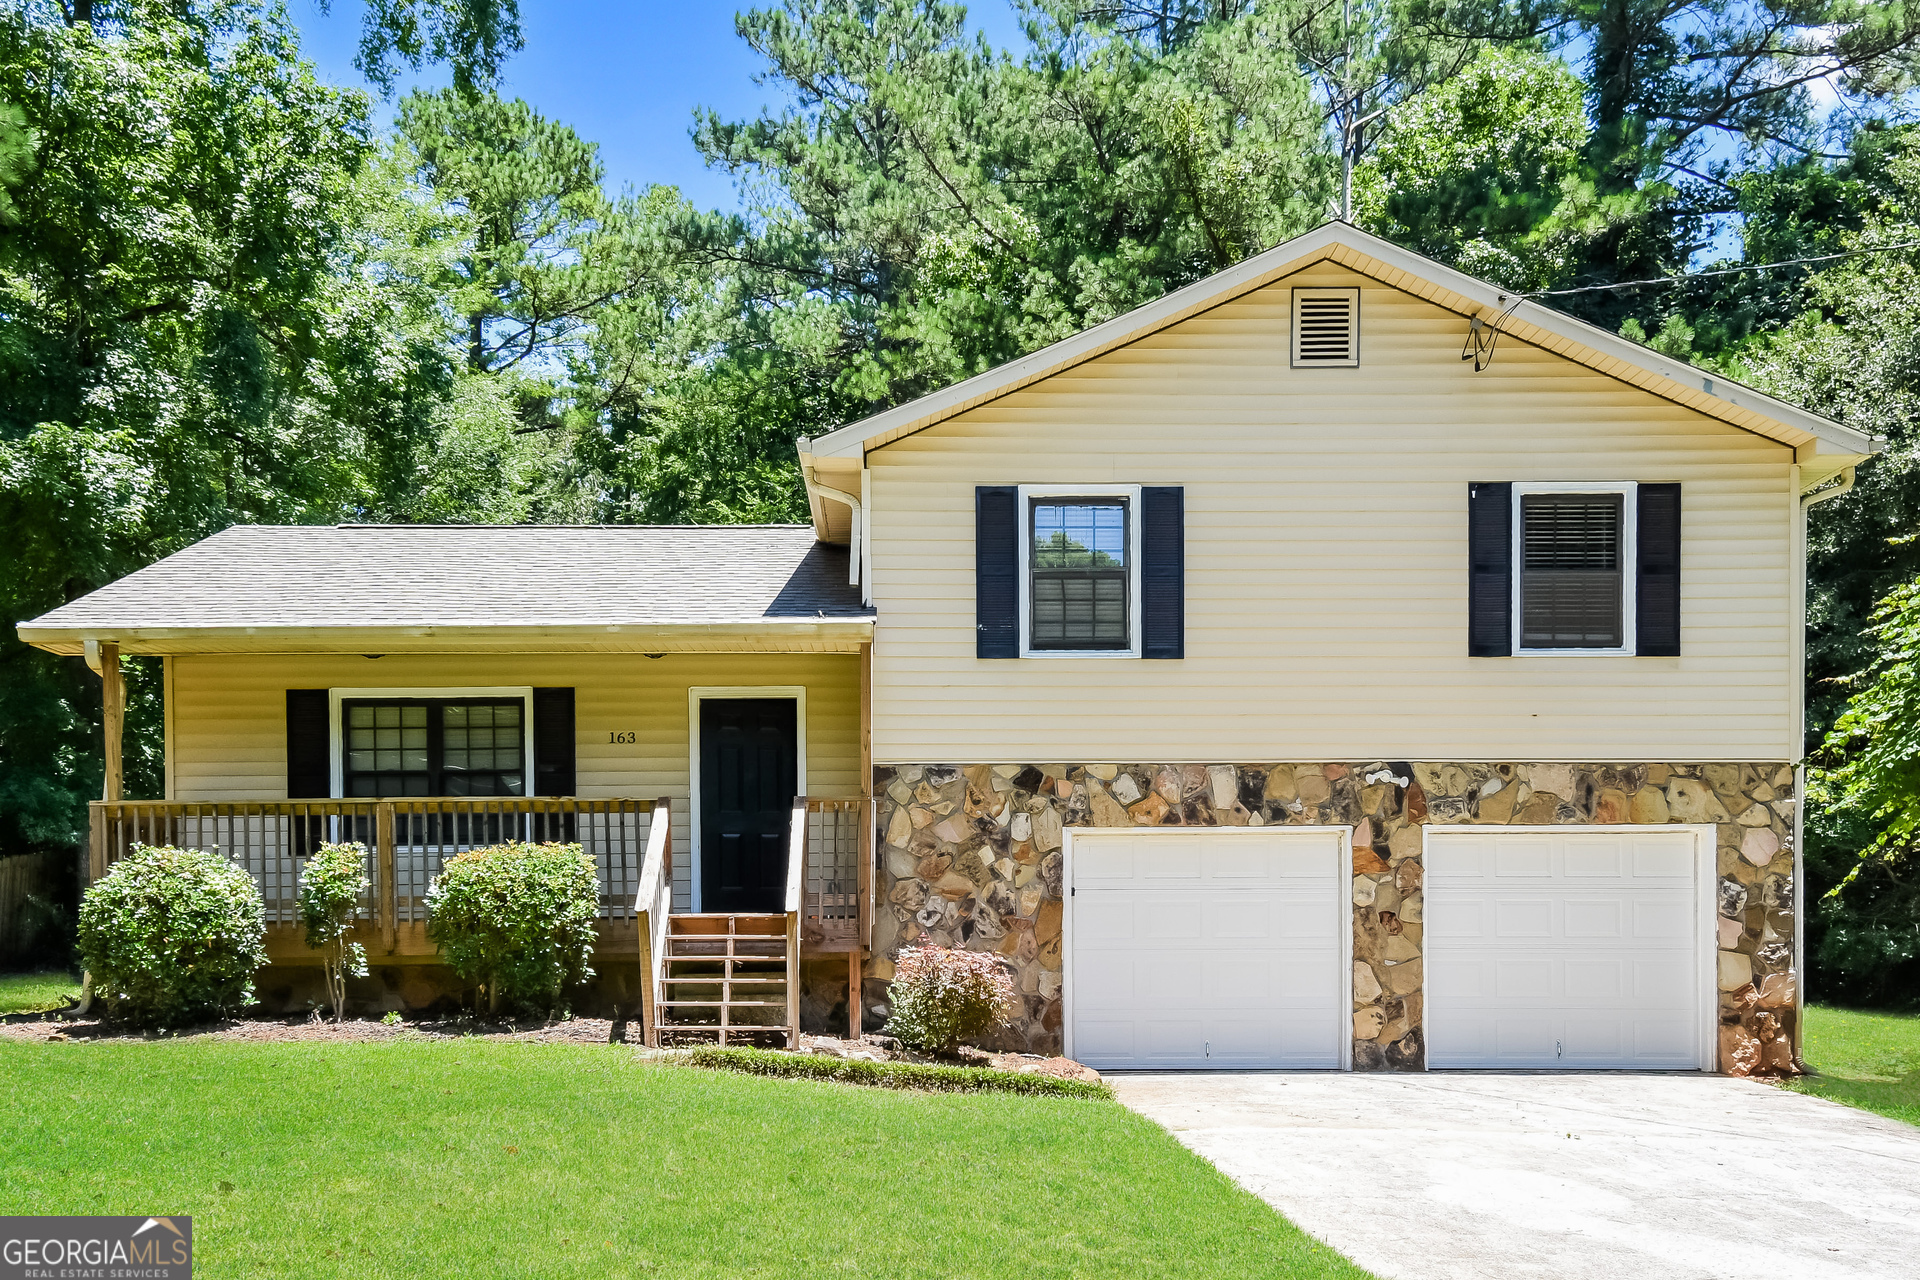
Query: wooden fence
(22, 876)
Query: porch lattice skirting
(971, 857)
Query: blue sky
(626, 74)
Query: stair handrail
(796, 894)
(652, 906)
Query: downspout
(814, 487)
(1801, 906)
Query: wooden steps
(719, 976)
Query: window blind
(1571, 570)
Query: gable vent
(1326, 327)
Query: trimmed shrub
(518, 920)
(171, 936)
(926, 1077)
(941, 997)
(331, 886)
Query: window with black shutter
(1579, 569)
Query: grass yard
(1866, 1060)
(487, 1159)
(36, 992)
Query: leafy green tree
(188, 343)
(1852, 354)
(474, 38)
(1671, 85)
(1867, 801)
(1471, 171)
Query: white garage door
(1574, 950)
(1207, 949)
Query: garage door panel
(1247, 919)
(1662, 860)
(1597, 1039)
(1108, 921)
(1663, 920)
(1595, 980)
(1523, 980)
(1458, 860)
(1523, 860)
(1215, 950)
(1603, 859)
(1661, 1039)
(1597, 919)
(1595, 966)
(1523, 918)
(1525, 1039)
(1167, 922)
(1110, 1039)
(1167, 862)
(1300, 978)
(1226, 977)
(1312, 921)
(1466, 921)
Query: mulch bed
(883, 1048)
(66, 1026)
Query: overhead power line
(1483, 336)
(1724, 271)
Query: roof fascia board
(1731, 402)
(764, 636)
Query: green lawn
(488, 1159)
(36, 992)
(1866, 1060)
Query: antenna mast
(1345, 115)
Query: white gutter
(854, 507)
(1800, 904)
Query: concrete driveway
(1569, 1176)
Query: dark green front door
(748, 780)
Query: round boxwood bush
(172, 936)
(518, 920)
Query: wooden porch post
(113, 709)
(387, 888)
(863, 881)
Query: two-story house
(1336, 663)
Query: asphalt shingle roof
(480, 575)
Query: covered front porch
(730, 974)
(691, 705)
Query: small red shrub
(941, 997)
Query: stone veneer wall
(971, 857)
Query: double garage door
(1231, 949)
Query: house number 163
(620, 737)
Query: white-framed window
(1079, 571)
(1574, 552)
(431, 742)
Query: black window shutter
(309, 759)
(996, 570)
(1657, 587)
(553, 742)
(1490, 570)
(1163, 572)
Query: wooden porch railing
(796, 894)
(835, 908)
(408, 841)
(653, 910)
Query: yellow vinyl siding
(1326, 556)
(229, 735)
